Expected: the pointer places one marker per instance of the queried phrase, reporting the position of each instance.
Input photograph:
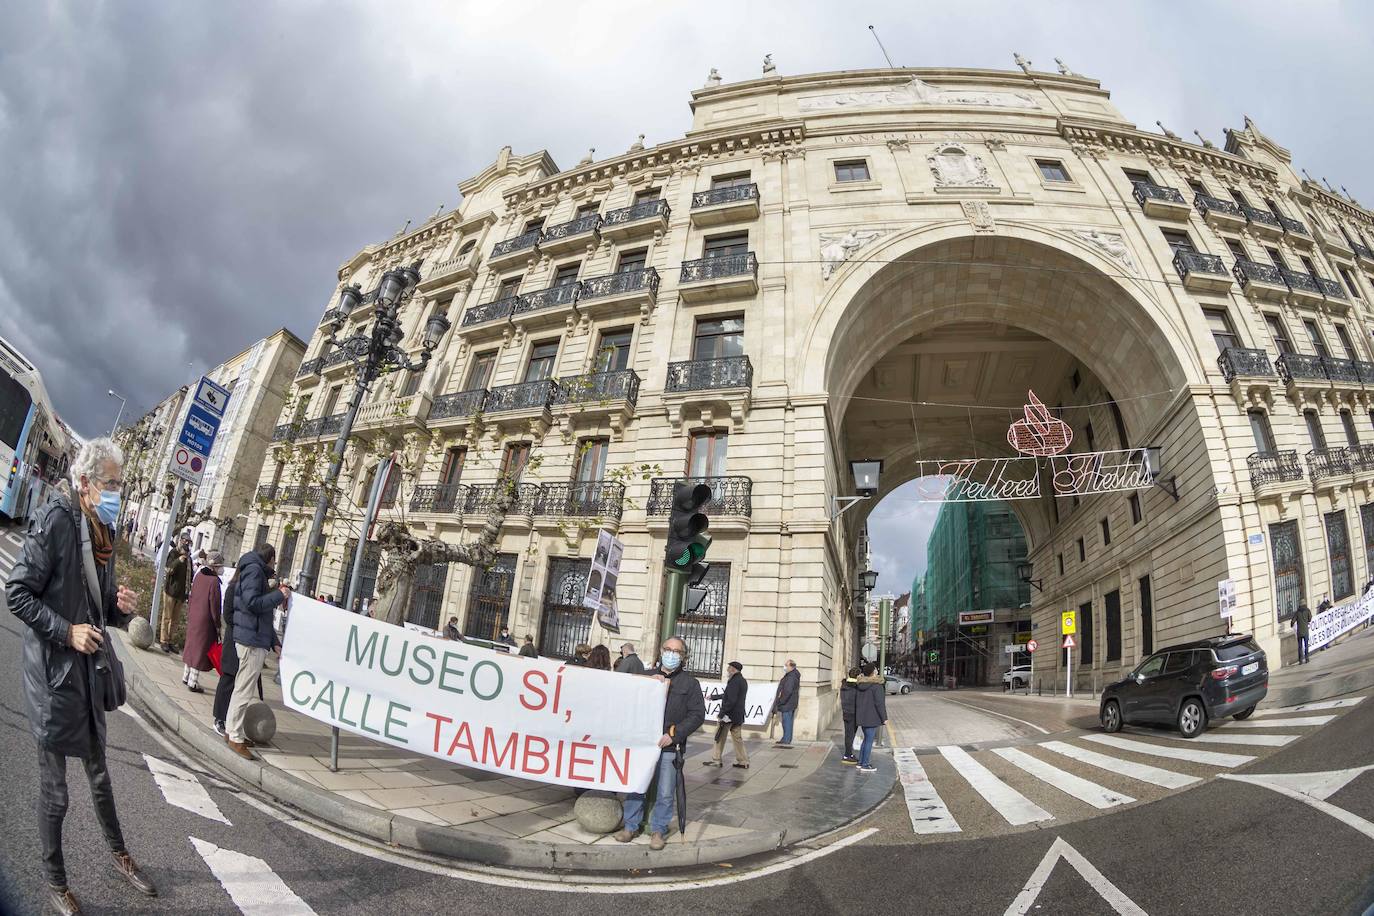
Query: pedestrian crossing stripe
(1066, 782)
(1258, 740)
(924, 805)
(1014, 807)
(1308, 707)
(1295, 722)
(1143, 772)
(1211, 758)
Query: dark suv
(1188, 684)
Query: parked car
(1189, 685)
(897, 684)
(1018, 677)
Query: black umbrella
(678, 759)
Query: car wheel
(905, 689)
(1111, 716)
(1017, 683)
(1192, 718)
(1244, 713)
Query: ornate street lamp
(1024, 571)
(1152, 465)
(866, 472)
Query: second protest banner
(533, 718)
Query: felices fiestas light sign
(1041, 441)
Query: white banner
(758, 701)
(536, 719)
(1329, 624)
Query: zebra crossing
(959, 789)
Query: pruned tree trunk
(402, 554)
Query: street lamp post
(111, 393)
(371, 353)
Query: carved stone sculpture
(768, 65)
(838, 247)
(955, 167)
(713, 78)
(1109, 243)
(915, 92)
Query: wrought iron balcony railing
(1195, 262)
(299, 495)
(1235, 361)
(1273, 467)
(524, 396)
(335, 357)
(490, 311)
(1143, 191)
(648, 209)
(719, 267)
(1362, 456)
(267, 492)
(729, 495)
(1330, 288)
(1362, 251)
(1263, 217)
(1248, 272)
(630, 281)
(599, 387)
(1340, 370)
(1300, 280)
(554, 296)
(1293, 226)
(310, 367)
(1206, 203)
(1328, 462)
(438, 497)
(460, 404)
(589, 223)
(519, 243)
(1365, 370)
(595, 499)
(710, 374)
(1300, 366)
(726, 195)
(330, 314)
(480, 496)
(284, 432)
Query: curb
(350, 817)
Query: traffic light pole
(672, 603)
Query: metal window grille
(1111, 617)
(489, 598)
(287, 554)
(565, 622)
(704, 630)
(1338, 548)
(427, 601)
(367, 580)
(1283, 538)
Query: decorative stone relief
(955, 167)
(838, 247)
(915, 92)
(979, 215)
(1109, 243)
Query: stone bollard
(259, 723)
(597, 811)
(140, 633)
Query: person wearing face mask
(63, 589)
(683, 714)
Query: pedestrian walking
(599, 658)
(870, 712)
(63, 589)
(228, 657)
(174, 587)
(203, 614)
(527, 650)
(786, 701)
(734, 709)
(1302, 619)
(254, 604)
(849, 695)
(629, 663)
(683, 714)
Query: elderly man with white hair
(63, 589)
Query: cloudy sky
(181, 178)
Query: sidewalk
(404, 799)
(1345, 667)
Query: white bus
(35, 445)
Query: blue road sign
(198, 433)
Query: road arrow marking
(181, 789)
(251, 884)
(923, 803)
(1059, 849)
(1313, 789)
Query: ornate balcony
(526, 397)
(520, 247)
(1363, 252)
(1160, 201)
(547, 306)
(638, 221)
(1201, 271)
(729, 495)
(629, 291)
(1235, 361)
(497, 310)
(330, 315)
(1263, 223)
(1341, 371)
(299, 496)
(284, 432)
(1302, 285)
(479, 497)
(1296, 231)
(710, 374)
(393, 413)
(320, 427)
(1330, 289)
(1335, 243)
(267, 492)
(575, 234)
(1262, 281)
(1366, 371)
(439, 498)
(1298, 367)
(456, 409)
(719, 277)
(310, 367)
(1273, 467)
(1362, 457)
(595, 499)
(459, 267)
(725, 205)
(598, 387)
(1222, 214)
(1323, 463)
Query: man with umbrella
(683, 714)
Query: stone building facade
(874, 263)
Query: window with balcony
(452, 469)
(479, 373)
(588, 209)
(851, 170)
(1052, 170)
(591, 460)
(536, 223)
(514, 459)
(410, 385)
(719, 338)
(1352, 438)
(1237, 249)
(566, 273)
(1314, 429)
(1308, 266)
(1134, 175)
(613, 350)
(706, 453)
(1179, 241)
(509, 287)
(738, 180)
(1273, 207)
(1276, 257)
(331, 400)
(1347, 344)
(630, 261)
(1259, 428)
(648, 194)
(1282, 344)
(1314, 336)
(1198, 187)
(724, 246)
(1238, 197)
(542, 357)
(1349, 280)
(467, 247)
(1222, 331)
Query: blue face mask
(670, 660)
(107, 510)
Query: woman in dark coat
(202, 622)
(870, 712)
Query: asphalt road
(1222, 846)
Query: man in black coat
(629, 663)
(734, 708)
(849, 696)
(785, 703)
(1302, 619)
(254, 601)
(50, 591)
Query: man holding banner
(683, 714)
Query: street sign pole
(168, 539)
(1068, 686)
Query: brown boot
(656, 842)
(61, 901)
(240, 749)
(124, 864)
(624, 836)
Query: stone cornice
(1132, 140)
(1312, 193)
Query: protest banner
(1339, 620)
(536, 719)
(758, 701)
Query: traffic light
(687, 524)
(696, 592)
